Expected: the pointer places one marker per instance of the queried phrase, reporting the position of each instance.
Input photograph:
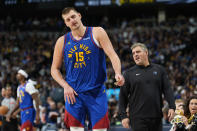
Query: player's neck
(22, 82)
(78, 33)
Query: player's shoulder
(61, 38)
(98, 32)
(29, 85)
(60, 42)
(98, 29)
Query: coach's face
(140, 56)
(72, 20)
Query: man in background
(1, 98)
(144, 85)
(10, 102)
(26, 94)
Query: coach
(144, 85)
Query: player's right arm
(69, 93)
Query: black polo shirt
(143, 91)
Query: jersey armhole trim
(95, 42)
(64, 45)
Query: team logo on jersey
(154, 73)
(137, 74)
(79, 55)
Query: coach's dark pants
(146, 124)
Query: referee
(10, 102)
(144, 85)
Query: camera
(194, 123)
(180, 127)
(178, 121)
(194, 120)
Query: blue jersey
(25, 99)
(84, 61)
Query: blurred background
(30, 28)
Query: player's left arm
(104, 41)
(35, 97)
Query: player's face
(140, 56)
(19, 77)
(193, 106)
(72, 19)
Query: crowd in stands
(29, 44)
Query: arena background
(30, 28)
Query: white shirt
(30, 88)
(10, 103)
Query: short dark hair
(143, 46)
(67, 10)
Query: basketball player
(83, 52)
(26, 93)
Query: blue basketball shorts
(27, 119)
(91, 105)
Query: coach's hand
(125, 122)
(119, 80)
(69, 95)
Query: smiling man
(144, 85)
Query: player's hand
(69, 95)
(171, 114)
(125, 122)
(119, 80)
(37, 118)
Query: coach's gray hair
(143, 46)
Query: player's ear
(79, 14)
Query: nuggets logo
(21, 95)
(79, 55)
